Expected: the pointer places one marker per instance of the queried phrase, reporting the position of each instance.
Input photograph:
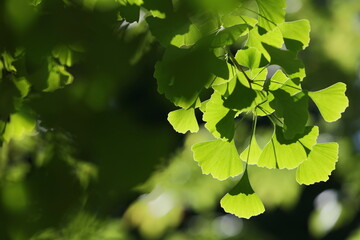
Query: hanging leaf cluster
(231, 52)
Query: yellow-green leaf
(319, 165)
(183, 120)
(218, 158)
(331, 101)
(242, 201)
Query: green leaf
(255, 152)
(310, 136)
(229, 35)
(277, 80)
(249, 57)
(183, 120)
(20, 125)
(264, 108)
(331, 101)
(273, 38)
(166, 29)
(220, 81)
(294, 110)
(241, 98)
(9, 94)
(183, 73)
(218, 158)
(271, 13)
(288, 61)
(296, 34)
(282, 153)
(319, 165)
(231, 20)
(187, 39)
(242, 201)
(257, 76)
(219, 119)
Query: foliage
(242, 84)
(75, 111)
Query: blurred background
(87, 152)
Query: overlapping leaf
(282, 153)
(319, 165)
(296, 34)
(218, 158)
(271, 13)
(242, 201)
(219, 119)
(183, 73)
(294, 110)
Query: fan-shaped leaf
(282, 153)
(249, 57)
(183, 120)
(296, 34)
(219, 119)
(218, 158)
(294, 110)
(331, 101)
(255, 152)
(319, 165)
(229, 35)
(242, 201)
(271, 13)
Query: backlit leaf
(255, 152)
(294, 110)
(229, 35)
(282, 153)
(271, 13)
(319, 165)
(183, 120)
(249, 57)
(296, 34)
(218, 158)
(331, 101)
(219, 119)
(242, 201)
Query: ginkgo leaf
(294, 110)
(331, 101)
(273, 38)
(231, 20)
(277, 80)
(220, 81)
(186, 39)
(310, 136)
(296, 34)
(319, 165)
(249, 57)
(271, 13)
(182, 85)
(219, 119)
(183, 120)
(255, 152)
(229, 35)
(264, 108)
(257, 76)
(242, 201)
(282, 153)
(241, 98)
(218, 158)
(287, 60)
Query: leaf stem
(238, 66)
